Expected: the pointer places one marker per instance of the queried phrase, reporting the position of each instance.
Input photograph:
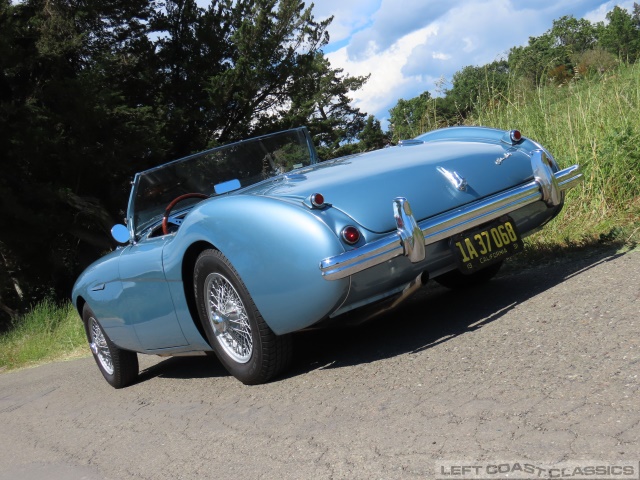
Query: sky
(408, 46)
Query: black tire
(238, 334)
(457, 280)
(118, 367)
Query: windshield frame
(214, 157)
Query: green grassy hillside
(595, 123)
(48, 332)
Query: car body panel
(284, 248)
(100, 286)
(143, 278)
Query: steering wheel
(167, 211)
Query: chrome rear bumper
(411, 236)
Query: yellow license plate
(479, 248)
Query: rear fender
(275, 247)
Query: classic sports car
(232, 249)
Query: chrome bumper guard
(412, 237)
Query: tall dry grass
(594, 122)
(48, 332)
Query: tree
(594, 62)
(320, 99)
(549, 56)
(245, 67)
(92, 91)
(372, 137)
(407, 119)
(474, 85)
(621, 35)
(574, 35)
(67, 121)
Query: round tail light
(317, 200)
(350, 234)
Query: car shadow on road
(433, 316)
(187, 367)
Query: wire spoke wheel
(228, 318)
(118, 367)
(99, 346)
(234, 327)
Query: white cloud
(599, 14)
(393, 21)
(407, 47)
(440, 56)
(349, 16)
(389, 83)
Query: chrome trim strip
(409, 143)
(445, 225)
(458, 182)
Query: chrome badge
(503, 158)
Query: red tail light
(350, 234)
(317, 200)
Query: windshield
(249, 162)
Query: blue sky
(408, 46)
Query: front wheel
(458, 280)
(118, 367)
(240, 337)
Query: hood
(364, 186)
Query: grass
(595, 123)
(592, 122)
(48, 332)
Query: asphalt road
(540, 366)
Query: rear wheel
(457, 280)
(240, 337)
(118, 367)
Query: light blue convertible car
(233, 249)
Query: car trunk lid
(434, 177)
